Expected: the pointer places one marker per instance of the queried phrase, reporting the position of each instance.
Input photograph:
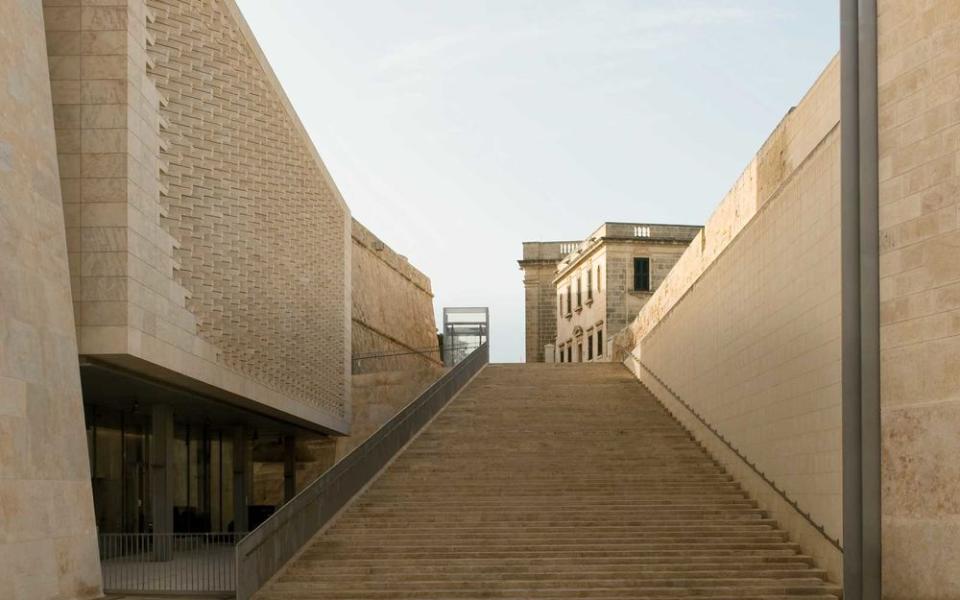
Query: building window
(589, 285)
(599, 279)
(561, 354)
(569, 300)
(590, 348)
(641, 274)
(579, 298)
(569, 353)
(599, 342)
(580, 352)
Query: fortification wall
(48, 546)
(393, 320)
(209, 246)
(746, 327)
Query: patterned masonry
(253, 216)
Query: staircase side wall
(751, 348)
(746, 328)
(48, 546)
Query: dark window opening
(641, 274)
(569, 353)
(589, 285)
(599, 342)
(579, 299)
(569, 300)
(590, 348)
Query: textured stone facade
(539, 266)
(48, 547)
(604, 270)
(209, 246)
(919, 98)
(394, 327)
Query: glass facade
(119, 446)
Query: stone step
(545, 482)
(420, 572)
(791, 584)
(733, 591)
(565, 563)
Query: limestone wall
(800, 131)
(755, 345)
(209, 246)
(919, 97)
(746, 327)
(393, 320)
(48, 547)
(539, 266)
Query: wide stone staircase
(553, 481)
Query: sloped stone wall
(746, 327)
(48, 546)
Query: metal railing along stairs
(224, 563)
(265, 550)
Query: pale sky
(457, 129)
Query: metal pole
(850, 296)
(859, 226)
(242, 474)
(869, 303)
(289, 467)
(161, 479)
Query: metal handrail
(265, 550)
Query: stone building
(595, 287)
(539, 266)
(176, 270)
(210, 260)
(394, 357)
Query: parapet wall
(394, 327)
(797, 135)
(746, 327)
